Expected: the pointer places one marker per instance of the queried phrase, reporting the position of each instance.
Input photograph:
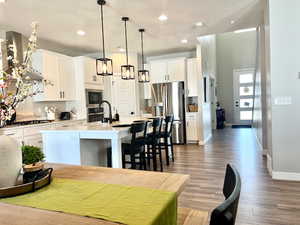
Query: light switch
(283, 100)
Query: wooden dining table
(19, 215)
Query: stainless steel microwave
(93, 98)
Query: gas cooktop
(29, 122)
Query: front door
(243, 96)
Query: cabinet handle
(63, 94)
(60, 94)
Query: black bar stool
(136, 148)
(152, 143)
(165, 138)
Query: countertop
(94, 126)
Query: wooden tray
(27, 187)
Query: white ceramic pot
(10, 161)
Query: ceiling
(59, 21)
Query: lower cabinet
(192, 127)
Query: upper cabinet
(90, 74)
(158, 71)
(67, 78)
(170, 70)
(194, 77)
(58, 73)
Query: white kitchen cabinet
(194, 77)
(158, 71)
(192, 127)
(176, 70)
(169, 70)
(58, 73)
(90, 73)
(66, 78)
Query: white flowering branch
(17, 76)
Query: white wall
(284, 68)
(234, 51)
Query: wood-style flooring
(263, 201)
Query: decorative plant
(32, 154)
(15, 84)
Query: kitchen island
(85, 144)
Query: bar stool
(165, 138)
(152, 143)
(136, 148)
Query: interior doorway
(243, 96)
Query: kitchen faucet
(109, 107)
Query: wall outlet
(283, 100)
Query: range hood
(15, 40)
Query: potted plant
(32, 158)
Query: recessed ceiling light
(184, 41)
(232, 22)
(163, 17)
(199, 24)
(245, 30)
(81, 32)
(2, 1)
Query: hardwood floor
(263, 201)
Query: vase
(10, 162)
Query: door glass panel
(246, 115)
(246, 78)
(244, 91)
(246, 103)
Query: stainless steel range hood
(15, 40)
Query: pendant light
(127, 71)
(143, 74)
(104, 65)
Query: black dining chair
(152, 143)
(135, 149)
(165, 137)
(225, 213)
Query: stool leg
(172, 149)
(132, 159)
(154, 146)
(123, 161)
(148, 154)
(160, 159)
(167, 151)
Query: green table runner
(116, 203)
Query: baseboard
(206, 140)
(285, 176)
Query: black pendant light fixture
(143, 74)
(127, 71)
(104, 65)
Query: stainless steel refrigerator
(169, 99)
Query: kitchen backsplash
(37, 109)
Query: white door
(243, 96)
(124, 97)
(158, 71)
(176, 70)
